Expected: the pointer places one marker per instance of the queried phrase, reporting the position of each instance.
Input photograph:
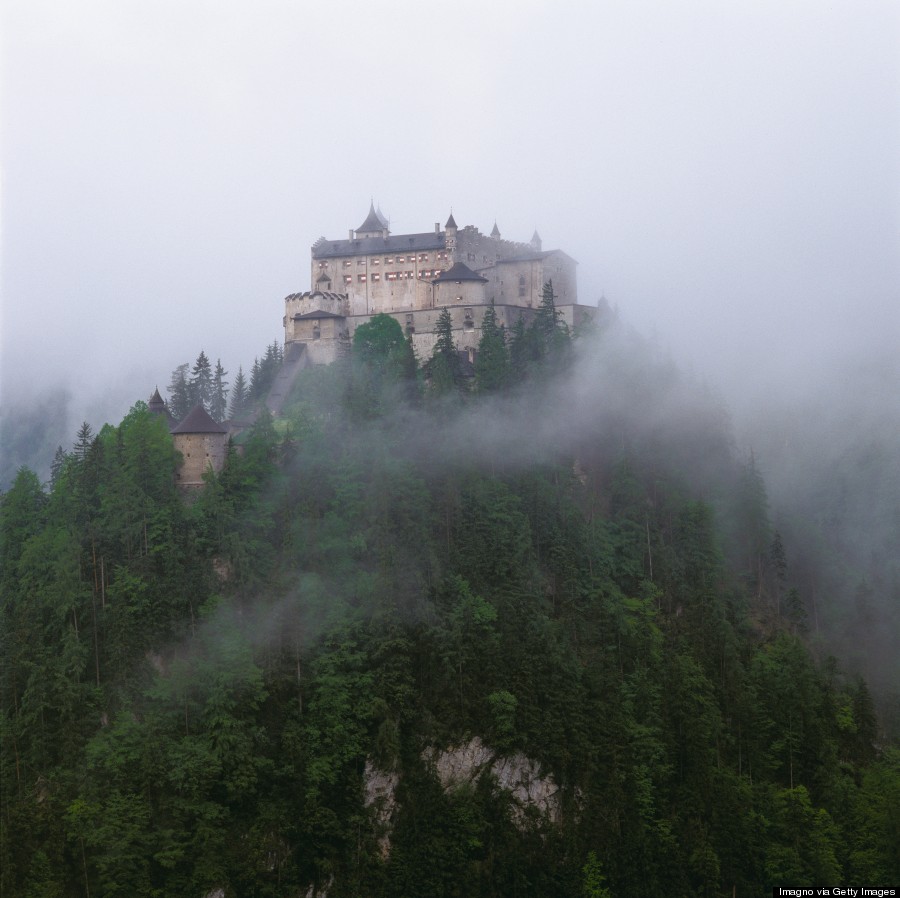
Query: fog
(726, 176)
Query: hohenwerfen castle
(412, 277)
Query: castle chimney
(437, 227)
(351, 234)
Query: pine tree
(239, 394)
(179, 390)
(218, 404)
(83, 442)
(56, 468)
(254, 390)
(445, 367)
(492, 361)
(519, 351)
(551, 342)
(201, 385)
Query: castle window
(410, 274)
(360, 263)
(388, 260)
(442, 255)
(401, 260)
(322, 265)
(376, 276)
(346, 263)
(470, 257)
(348, 278)
(317, 332)
(423, 257)
(375, 262)
(521, 285)
(361, 278)
(392, 275)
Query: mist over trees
(568, 560)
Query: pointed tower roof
(198, 420)
(496, 231)
(381, 216)
(536, 240)
(459, 272)
(373, 222)
(451, 222)
(156, 403)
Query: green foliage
(251, 692)
(445, 368)
(384, 368)
(492, 366)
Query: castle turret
(495, 232)
(535, 243)
(157, 406)
(201, 442)
(374, 225)
(450, 230)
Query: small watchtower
(201, 442)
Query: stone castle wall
(200, 452)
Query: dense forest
(531, 633)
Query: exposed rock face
(380, 788)
(311, 892)
(461, 765)
(517, 774)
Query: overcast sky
(726, 173)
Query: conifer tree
(492, 362)
(201, 385)
(446, 370)
(519, 351)
(83, 442)
(179, 390)
(218, 404)
(254, 390)
(239, 394)
(550, 339)
(56, 468)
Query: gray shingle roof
(198, 420)
(373, 221)
(458, 272)
(374, 246)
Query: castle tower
(450, 230)
(201, 442)
(157, 406)
(374, 226)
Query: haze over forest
(727, 178)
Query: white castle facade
(412, 277)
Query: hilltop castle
(412, 277)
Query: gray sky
(727, 173)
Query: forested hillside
(531, 636)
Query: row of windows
(393, 276)
(388, 260)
